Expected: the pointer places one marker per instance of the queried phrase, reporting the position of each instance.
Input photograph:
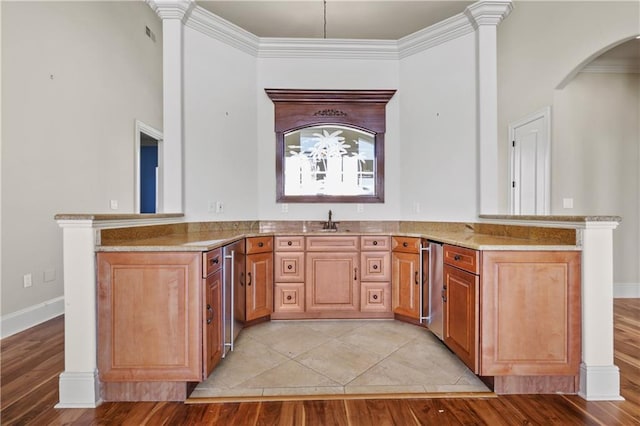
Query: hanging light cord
(324, 4)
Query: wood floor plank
(31, 361)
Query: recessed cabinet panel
(375, 297)
(289, 297)
(531, 297)
(333, 243)
(332, 282)
(259, 245)
(375, 242)
(461, 315)
(376, 266)
(150, 316)
(406, 284)
(289, 267)
(405, 244)
(289, 243)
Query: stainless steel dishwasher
(431, 306)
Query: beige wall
(597, 162)
(541, 45)
(75, 77)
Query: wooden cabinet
(150, 316)
(530, 313)
(332, 282)
(259, 278)
(289, 291)
(212, 315)
(406, 277)
(460, 311)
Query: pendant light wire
(324, 4)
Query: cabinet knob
(405, 244)
(289, 243)
(375, 243)
(260, 244)
(375, 266)
(289, 297)
(289, 267)
(375, 297)
(457, 257)
(214, 261)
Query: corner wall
(75, 77)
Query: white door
(529, 164)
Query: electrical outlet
(219, 207)
(113, 204)
(285, 208)
(567, 203)
(360, 208)
(27, 280)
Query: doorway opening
(148, 153)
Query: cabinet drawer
(463, 258)
(289, 267)
(333, 243)
(375, 297)
(375, 266)
(211, 262)
(373, 242)
(289, 243)
(288, 297)
(406, 244)
(259, 245)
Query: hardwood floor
(32, 360)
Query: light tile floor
(326, 357)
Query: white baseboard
(600, 383)
(79, 390)
(23, 319)
(626, 290)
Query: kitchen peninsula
(563, 242)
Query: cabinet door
(259, 285)
(406, 284)
(150, 316)
(530, 313)
(461, 315)
(332, 281)
(212, 317)
(289, 267)
(376, 266)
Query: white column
(171, 175)
(79, 385)
(485, 17)
(599, 377)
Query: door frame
(141, 127)
(544, 113)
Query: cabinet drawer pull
(214, 261)
(260, 244)
(375, 266)
(375, 297)
(209, 314)
(248, 278)
(289, 297)
(405, 244)
(457, 257)
(355, 274)
(375, 242)
(417, 280)
(289, 267)
(289, 243)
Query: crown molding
(613, 66)
(172, 9)
(327, 48)
(490, 12)
(441, 32)
(220, 29)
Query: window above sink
(330, 145)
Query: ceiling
(352, 19)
